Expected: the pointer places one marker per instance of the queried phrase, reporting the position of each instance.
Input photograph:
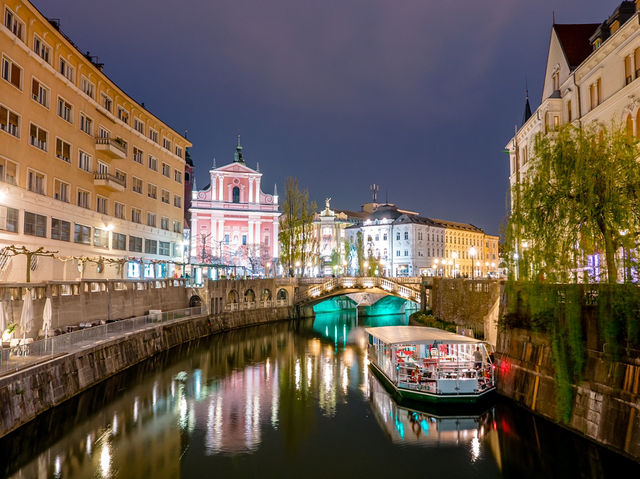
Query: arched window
(236, 194)
(629, 125)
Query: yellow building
(469, 251)
(85, 170)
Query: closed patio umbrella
(26, 317)
(3, 317)
(46, 317)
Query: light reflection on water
(281, 397)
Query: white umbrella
(26, 317)
(3, 318)
(46, 317)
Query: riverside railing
(23, 353)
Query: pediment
(236, 168)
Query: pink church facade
(233, 222)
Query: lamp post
(472, 254)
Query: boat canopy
(418, 335)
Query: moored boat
(430, 364)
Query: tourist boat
(430, 364)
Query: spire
(258, 166)
(527, 109)
(238, 155)
(275, 189)
(214, 162)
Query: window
(64, 109)
(406, 235)
(38, 137)
(556, 122)
(103, 133)
(137, 155)
(236, 194)
(419, 235)
(150, 246)
(136, 185)
(82, 234)
(107, 103)
(152, 191)
(153, 135)
(35, 182)
(406, 253)
(177, 175)
(8, 219)
(164, 223)
(84, 161)
(226, 239)
(11, 72)
(9, 121)
(397, 252)
(177, 228)
(178, 151)
(118, 241)
(8, 171)
(244, 239)
(103, 168)
(41, 48)
(628, 71)
(86, 124)
(66, 69)
(14, 24)
(398, 236)
(164, 196)
(122, 176)
(87, 87)
(123, 115)
(101, 205)
(166, 144)
(166, 170)
(84, 199)
(136, 215)
(118, 210)
(153, 163)
(138, 125)
(100, 238)
(35, 225)
(556, 81)
(164, 249)
(384, 237)
(63, 150)
(40, 93)
(177, 201)
(135, 244)
(151, 219)
(569, 113)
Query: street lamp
(268, 269)
(472, 253)
(366, 268)
(297, 264)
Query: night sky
(418, 96)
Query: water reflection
(284, 395)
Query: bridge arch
(232, 296)
(249, 296)
(194, 301)
(282, 295)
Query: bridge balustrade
(359, 283)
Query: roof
(457, 226)
(574, 39)
(418, 335)
(421, 220)
(354, 214)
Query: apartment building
(86, 171)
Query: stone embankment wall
(606, 404)
(29, 392)
(87, 301)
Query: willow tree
(580, 195)
(298, 242)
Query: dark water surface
(288, 400)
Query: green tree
(360, 252)
(298, 242)
(580, 195)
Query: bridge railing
(358, 283)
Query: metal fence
(23, 353)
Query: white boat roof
(418, 335)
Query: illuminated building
(85, 170)
(232, 221)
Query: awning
(418, 335)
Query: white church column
(214, 187)
(257, 183)
(220, 188)
(194, 235)
(275, 242)
(250, 190)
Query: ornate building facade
(233, 223)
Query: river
(288, 400)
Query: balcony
(112, 147)
(111, 182)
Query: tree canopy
(580, 195)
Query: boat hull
(401, 394)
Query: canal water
(288, 400)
